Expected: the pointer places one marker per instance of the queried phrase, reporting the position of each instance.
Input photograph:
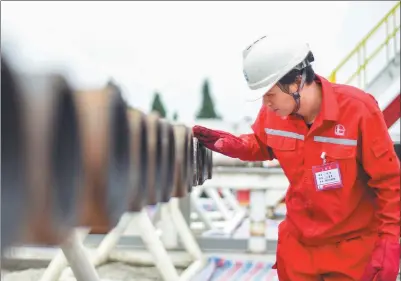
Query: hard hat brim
(254, 95)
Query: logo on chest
(339, 130)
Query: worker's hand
(219, 141)
(385, 261)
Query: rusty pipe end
(190, 160)
(205, 163)
(168, 162)
(66, 156)
(181, 161)
(209, 164)
(118, 180)
(139, 159)
(53, 157)
(196, 162)
(12, 168)
(105, 137)
(154, 152)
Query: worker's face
(279, 102)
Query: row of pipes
(74, 158)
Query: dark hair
(291, 76)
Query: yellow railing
(360, 49)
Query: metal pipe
(168, 156)
(110, 241)
(55, 269)
(139, 160)
(169, 233)
(53, 157)
(209, 163)
(203, 163)
(196, 160)
(154, 162)
(105, 137)
(187, 238)
(190, 160)
(181, 171)
(204, 166)
(78, 259)
(203, 216)
(257, 222)
(13, 197)
(149, 237)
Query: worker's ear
(294, 86)
(290, 88)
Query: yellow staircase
(390, 25)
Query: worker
(343, 203)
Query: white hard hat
(270, 58)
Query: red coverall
(334, 234)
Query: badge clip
(323, 156)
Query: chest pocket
(346, 157)
(285, 152)
(334, 204)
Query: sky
(171, 47)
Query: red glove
(385, 261)
(220, 141)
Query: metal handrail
(360, 49)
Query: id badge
(327, 176)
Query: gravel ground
(110, 272)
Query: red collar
(329, 109)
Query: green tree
(207, 110)
(158, 106)
(175, 116)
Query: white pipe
(207, 272)
(78, 259)
(187, 238)
(55, 268)
(214, 195)
(189, 273)
(232, 224)
(59, 262)
(156, 215)
(169, 235)
(110, 241)
(213, 215)
(231, 200)
(152, 242)
(199, 209)
(257, 222)
(218, 226)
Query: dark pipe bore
(169, 164)
(191, 162)
(12, 172)
(158, 183)
(119, 161)
(139, 160)
(66, 159)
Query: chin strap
(295, 95)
